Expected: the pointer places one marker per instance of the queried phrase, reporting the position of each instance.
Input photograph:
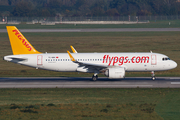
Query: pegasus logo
(24, 41)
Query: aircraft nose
(174, 64)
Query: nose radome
(174, 64)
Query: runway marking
(175, 83)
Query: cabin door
(39, 60)
(153, 60)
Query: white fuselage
(61, 61)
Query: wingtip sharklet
(73, 49)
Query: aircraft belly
(63, 66)
(137, 67)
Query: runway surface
(97, 30)
(85, 82)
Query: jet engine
(114, 73)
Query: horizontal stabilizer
(14, 59)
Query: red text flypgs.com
(121, 60)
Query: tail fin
(19, 43)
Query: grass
(123, 104)
(161, 42)
(152, 24)
(120, 104)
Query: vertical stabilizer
(19, 44)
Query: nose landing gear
(153, 75)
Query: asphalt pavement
(85, 82)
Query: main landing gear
(153, 75)
(94, 77)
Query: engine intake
(113, 73)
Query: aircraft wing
(91, 64)
(97, 66)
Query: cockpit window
(164, 59)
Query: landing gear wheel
(153, 78)
(94, 78)
(153, 75)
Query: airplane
(112, 65)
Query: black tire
(94, 78)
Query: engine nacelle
(114, 73)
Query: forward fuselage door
(153, 60)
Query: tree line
(51, 8)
